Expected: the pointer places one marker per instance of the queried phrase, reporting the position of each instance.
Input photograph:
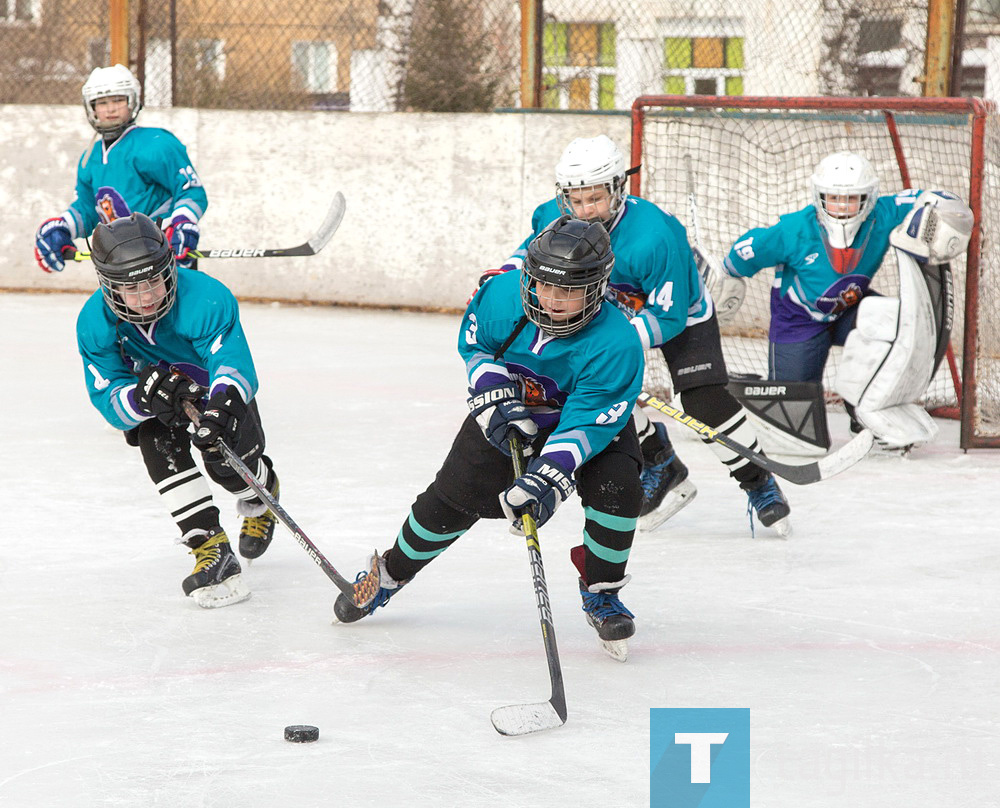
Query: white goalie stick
(522, 719)
(360, 593)
(822, 469)
(727, 292)
(316, 242)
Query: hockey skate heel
(217, 579)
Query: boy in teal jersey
(551, 361)
(131, 168)
(656, 283)
(152, 338)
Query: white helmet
(588, 162)
(105, 82)
(844, 174)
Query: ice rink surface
(866, 646)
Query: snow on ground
(866, 646)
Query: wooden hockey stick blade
(361, 592)
(316, 242)
(523, 719)
(804, 474)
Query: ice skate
(771, 507)
(609, 617)
(216, 580)
(665, 486)
(345, 611)
(258, 526)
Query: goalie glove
(936, 230)
(498, 410)
(538, 492)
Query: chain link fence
(465, 55)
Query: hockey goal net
(734, 163)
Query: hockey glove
(52, 239)
(161, 393)
(183, 235)
(498, 410)
(221, 419)
(539, 491)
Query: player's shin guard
(715, 406)
(166, 453)
(430, 529)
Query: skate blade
(783, 527)
(230, 591)
(616, 649)
(674, 501)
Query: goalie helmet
(850, 178)
(572, 260)
(107, 82)
(591, 162)
(136, 268)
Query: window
(20, 10)
(314, 66)
(579, 65)
(703, 65)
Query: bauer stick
(316, 242)
(361, 593)
(822, 469)
(521, 719)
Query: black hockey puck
(301, 733)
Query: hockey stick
(822, 469)
(361, 593)
(316, 242)
(521, 719)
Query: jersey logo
(846, 298)
(810, 258)
(216, 345)
(100, 382)
(111, 205)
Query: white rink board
(432, 199)
(866, 646)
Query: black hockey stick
(522, 719)
(360, 593)
(316, 242)
(822, 469)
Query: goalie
(825, 257)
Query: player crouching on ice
(550, 361)
(153, 338)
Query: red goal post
(740, 162)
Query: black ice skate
(216, 580)
(346, 612)
(771, 506)
(258, 528)
(609, 617)
(665, 486)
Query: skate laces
(258, 527)
(652, 476)
(767, 494)
(603, 605)
(210, 552)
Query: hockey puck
(301, 733)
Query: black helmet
(571, 254)
(132, 255)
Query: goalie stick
(822, 469)
(316, 242)
(522, 719)
(361, 593)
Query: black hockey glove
(498, 410)
(161, 393)
(221, 419)
(539, 491)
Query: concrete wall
(432, 199)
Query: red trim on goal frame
(977, 109)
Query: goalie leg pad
(899, 426)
